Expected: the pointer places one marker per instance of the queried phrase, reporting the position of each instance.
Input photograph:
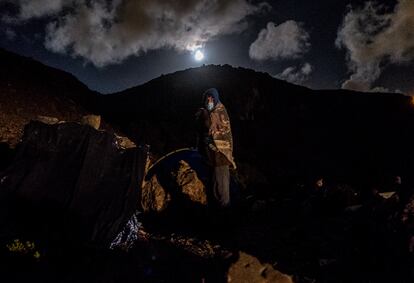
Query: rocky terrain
(311, 164)
(29, 89)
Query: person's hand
(212, 147)
(208, 141)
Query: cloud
(10, 34)
(375, 38)
(287, 40)
(296, 75)
(39, 8)
(384, 90)
(29, 9)
(108, 31)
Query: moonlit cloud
(374, 39)
(384, 89)
(108, 31)
(296, 75)
(287, 40)
(39, 8)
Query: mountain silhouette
(280, 129)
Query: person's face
(319, 183)
(398, 180)
(210, 99)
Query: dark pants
(221, 185)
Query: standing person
(216, 143)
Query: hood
(213, 93)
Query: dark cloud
(374, 39)
(10, 34)
(287, 40)
(108, 31)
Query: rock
(183, 180)
(248, 269)
(92, 120)
(262, 271)
(124, 142)
(176, 179)
(47, 120)
(153, 197)
(189, 183)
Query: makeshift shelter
(179, 181)
(71, 182)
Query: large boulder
(178, 181)
(249, 269)
(92, 120)
(72, 182)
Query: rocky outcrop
(92, 120)
(154, 197)
(72, 182)
(191, 186)
(47, 119)
(177, 180)
(29, 89)
(248, 269)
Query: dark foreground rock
(6, 154)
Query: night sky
(111, 45)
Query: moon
(199, 55)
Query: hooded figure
(216, 143)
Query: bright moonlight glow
(199, 55)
